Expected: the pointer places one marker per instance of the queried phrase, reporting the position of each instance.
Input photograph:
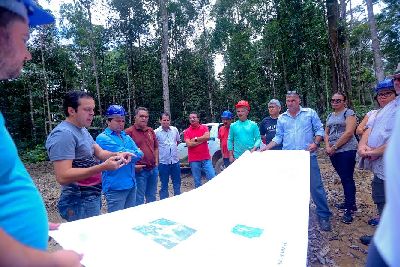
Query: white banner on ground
(255, 213)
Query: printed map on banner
(255, 213)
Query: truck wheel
(219, 165)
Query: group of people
(124, 165)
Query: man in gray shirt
(168, 139)
(75, 157)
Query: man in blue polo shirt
(23, 217)
(119, 186)
(301, 129)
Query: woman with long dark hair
(341, 147)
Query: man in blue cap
(23, 217)
(223, 134)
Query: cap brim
(40, 17)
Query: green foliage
(269, 47)
(34, 155)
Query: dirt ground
(341, 247)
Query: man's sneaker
(366, 239)
(373, 222)
(347, 218)
(324, 224)
(342, 206)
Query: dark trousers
(344, 163)
(378, 193)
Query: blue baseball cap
(227, 115)
(386, 84)
(29, 10)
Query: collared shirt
(382, 128)
(298, 132)
(199, 152)
(243, 135)
(124, 177)
(146, 140)
(167, 144)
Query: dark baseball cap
(29, 10)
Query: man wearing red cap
(23, 217)
(243, 134)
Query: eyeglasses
(385, 94)
(336, 101)
(292, 93)
(396, 79)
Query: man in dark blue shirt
(268, 124)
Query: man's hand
(312, 147)
(330, 150)
(125, 156)
(66, 258)
(139, 168)
(363, 151)
(53, 226)
(231, 159)
(253, 149)
(113, 163)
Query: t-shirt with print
(199, 152)
(268, 129)
(337, 126)
(70, 142)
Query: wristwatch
(195, 139)
(317, 143)
(334, 146)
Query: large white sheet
(255, 213)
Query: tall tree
(378, 63)
(164, 54)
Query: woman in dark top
(341, 147)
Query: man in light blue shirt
(301, 129)
(119, 186)
(168, 139)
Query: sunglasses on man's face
(385, 94)
(337, 101)
(289, 93)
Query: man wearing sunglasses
(301, 129)
(23, 217)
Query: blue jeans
(197, 167)
(120, 199)
(166, 170)
(146, 181)
(317, 190)
(374, 258)
(344, 163)
(79, 202)
(226, 162)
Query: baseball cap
(274, 101)
(29, 10)
(386, 84)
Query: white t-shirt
(387, 236)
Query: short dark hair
(195, 112)
(140, 109)
(71, 99)
(7, 17)
(165, 114)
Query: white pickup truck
(213, 146)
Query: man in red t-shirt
(196, 137)
(223, 134)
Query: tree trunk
(337, 38)
(208, 63)
(345, 44)
(46, 86)
(375, 42)
(164, 55)
(86, 3)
